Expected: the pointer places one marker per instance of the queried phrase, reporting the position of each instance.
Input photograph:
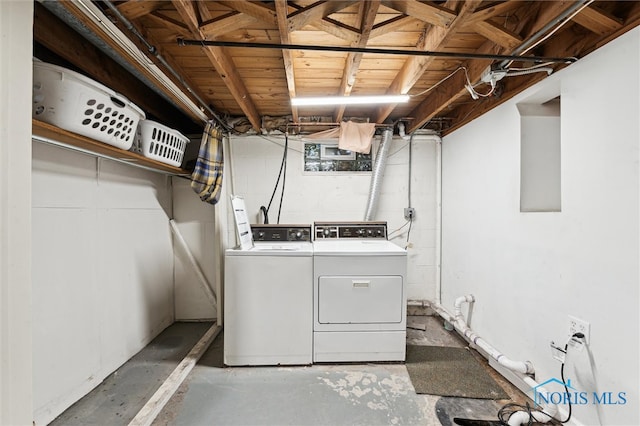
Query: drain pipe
(525, 368)
(458, 321)
(378, 171)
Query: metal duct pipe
(378, 171)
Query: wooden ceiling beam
(334, 28)
(566, 43)
(135, 9)
(170, 23)
(258, 10)
(440, 98)
(597, 21)
(429, 13)
(282, 15)
(217, 27)
(368, 12)
(315, 12)
(390, 25)
(488, 12)
(222, 62)
(415, 66)
(497, 34)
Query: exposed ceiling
(430, 50)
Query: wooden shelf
(44, 132)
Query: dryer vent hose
(378, 172)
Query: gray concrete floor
(325, 394)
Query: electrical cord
(284, 176)
(283, 163)
(508, 409)
(265, 215)
(566, 389)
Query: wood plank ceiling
(251, 87)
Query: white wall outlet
(576, 325)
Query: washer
(268, 298)
(359, 290)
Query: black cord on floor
(508, 409)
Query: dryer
(268, 298)
(359, 290)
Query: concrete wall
(252, 174)
(102, 271)
(530, 271)
(16, 37)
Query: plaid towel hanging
(206, 179)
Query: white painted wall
(256, 160)
(16, 395)
(529, 271)
(196, 222)
(102, 271)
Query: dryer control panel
(277, 232)
(345, 230)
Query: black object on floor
(450, 371)
(473, 422)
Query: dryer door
(360, 300)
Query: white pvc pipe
(523, 367)
(438, 271)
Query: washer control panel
(344, 230)
(277, 232)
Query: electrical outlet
(576, 325)
(409, 213)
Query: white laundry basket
(161, 143)
(76, 103)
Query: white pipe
(401, 131)
(523, 367)
(524, 417)
(204, 283)
(438, 224)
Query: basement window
(540, 189)
(326, 157)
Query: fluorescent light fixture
(350, 100)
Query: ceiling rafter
(331, 26)
(429, 13)
(135, 9)
(368, 12)
(282, 14)
(597, 21)
(257, 10)
(315, 12)
(438, 100)
(390, 25)
(497, 34)
(484, 13)
(170, 23)
(414, 67)
(221, 25)
(222, 63)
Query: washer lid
(362, 247)
(281, 249)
